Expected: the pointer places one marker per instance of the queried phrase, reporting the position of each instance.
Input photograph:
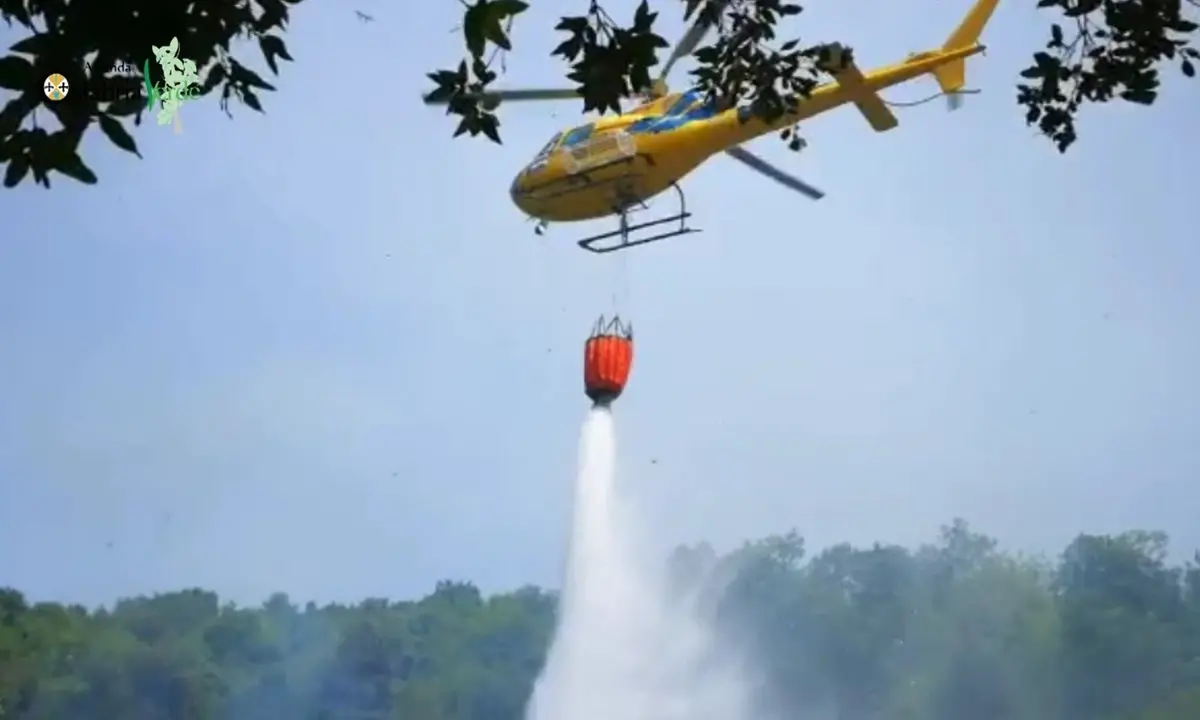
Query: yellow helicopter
(612, 166)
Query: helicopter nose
(519, 191)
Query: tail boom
(947, 65)
(863, 90)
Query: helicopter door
(599, 150)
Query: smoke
(630, 644)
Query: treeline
(955, 630)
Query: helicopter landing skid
(622, 235)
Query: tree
(957, 628)
(1098, 51)
(1123, 611)
(85, 40)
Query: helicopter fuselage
(615, 163)
(612, 164)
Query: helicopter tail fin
(952, 76)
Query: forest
(958, 629)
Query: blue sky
(319, 351)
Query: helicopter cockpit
(539, 161)
(561, 141)
(577, 135)
(549, 147)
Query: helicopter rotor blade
(779, 176)
(497, 96)
(691, 39)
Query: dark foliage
(956, 629)
(1114, 49)
(86, 40)
(1098, 50)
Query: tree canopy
(1097, 51)
(89, 42)
(956, 629)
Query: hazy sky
(319, 351)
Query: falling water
(625, 648)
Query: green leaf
(569, 49)
(467, 125)
(252, 100)
(475, 28)
(495, 34)
(118, 135)
(643, 19)
(1188, 68)
(1139, 96)
(1056, 35)
(274, 14)
(489, 125)
(272, 47)
(441, 94)
(126, 106)
(16, 171)
(16, 73)
(75, 168)
(216, 76)
(36, 44)
(575, 25)
(15, 111)
(73, 116)
(243, 75)
(18, 11)
(508, 8)
(1081, 7)
(443, 78)
(493, 26)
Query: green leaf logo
(151, 95)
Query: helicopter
(613, 165)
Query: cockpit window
(549, 147)
(578, 135)
(684, 103)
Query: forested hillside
(957, 630)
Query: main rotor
(658, 86)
